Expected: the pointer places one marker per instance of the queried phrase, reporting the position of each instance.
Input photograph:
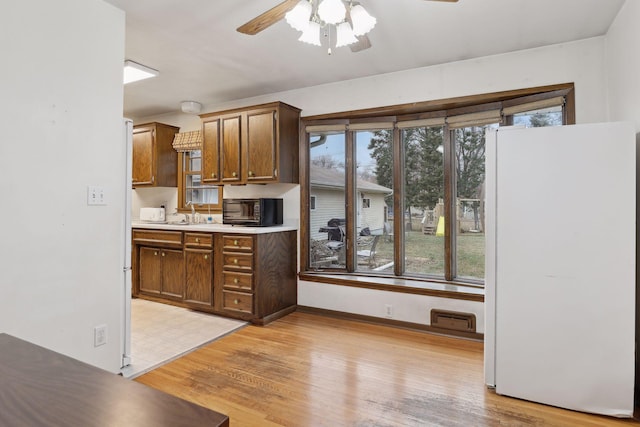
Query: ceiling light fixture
(312, 20)
(134, 72)
(190, 107)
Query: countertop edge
(213, 228)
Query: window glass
(202, 195)
(539, 118)
(469, 203)
(327, 182)
(374, 193)
(424, 200)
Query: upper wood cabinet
(155, 162)
(256, 144)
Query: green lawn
(424, 254)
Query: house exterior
(328, 201)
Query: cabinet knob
(235, 242)
(235, 280)
(197, 240)
(234, 174)
(236, 301)
(235, 261)
(206, 257)
(155, 253)
(162, 253)
(250, 173)
(213, 175)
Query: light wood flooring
(311, 370)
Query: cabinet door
(172, 273)
(199, 272)
(211, 151)
(261, 146)
(150, 270)
(230, 148)
(142, 158)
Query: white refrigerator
(126, 244)
(561, 265)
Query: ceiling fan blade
(362, 44)
(267, 19)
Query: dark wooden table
(39, 387)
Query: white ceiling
(201, 57)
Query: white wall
(579, 62)
(623, 65)
(61, 110)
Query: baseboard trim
(475, 336)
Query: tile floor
(161, 333)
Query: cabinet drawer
(238, 261)
(199, 240)
(237, 280)
(238, 301)
(158, 238)
(237, 243)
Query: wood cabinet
(248, 277)
(160, 264)
(154, 161)
(198, 255)
(257, 144)
(256, 276)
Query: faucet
(193, 212)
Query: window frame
(183, 172)
(406, 113)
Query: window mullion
(350, 201)
(449, 204)
(398, 202)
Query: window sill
(443, 289)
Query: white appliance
(560, 266)
(126, 324)
(152, 214)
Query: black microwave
(255, 212)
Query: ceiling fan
(278, 12)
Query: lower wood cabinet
(248, 277)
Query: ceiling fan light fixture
(332, 11)
(362, 21)
(298, 17)
(344, 35)
(311, 34)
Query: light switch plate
(96, 195)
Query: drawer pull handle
(197, 240)
(235, 242)
(236, 301)
(206, 257)
(235, 280)
(235, 261)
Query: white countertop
(212, 228)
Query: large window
(403, 196)
(192, 190)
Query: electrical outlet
(388, 310)
(99, 335)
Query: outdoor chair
(367, 250)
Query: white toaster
(152, 214)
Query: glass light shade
(361, 20)
(311, 34)
(332, 11)
(298, 17)
(344, 35)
